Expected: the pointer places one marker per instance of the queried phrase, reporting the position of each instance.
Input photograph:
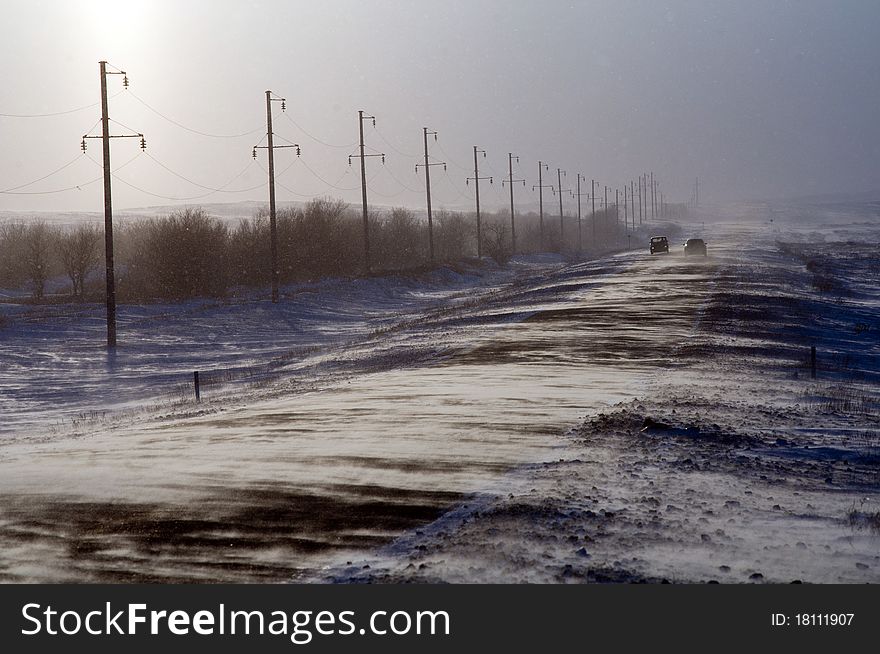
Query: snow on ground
(733, 466)
(483, 427)
(55, 369)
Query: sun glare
(116, 28)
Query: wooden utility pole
(510, 181)
(625, 211)
(540, 186)
(427, 165)
(605, 214)
(580, 229)
(617, 207)
(559, 174)
(640, 199)
(108, 214)
(477, 179)
(108, 203)
(593, 214)
(273, 224)
(653, 196)
(632, 200)
(363, 157)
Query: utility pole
(427, 165)
(363, 157)
(653, 195)
(640, 199)
(605, 212)
(593, 214)
(697, 193)
(510, 180)
(580, 230)
(477, 179)
(559, 175)
(617, 207)
(625, 211)
(108, 204)
(632, 201)
(273, 224)
(541, 167)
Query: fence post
(196, 384)
(813, 362)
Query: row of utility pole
(361, 154)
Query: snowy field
(472, 425)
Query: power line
(221, 189)
(455, 187)
(317, 176)
(190, 129)
(453, 161)
(401, 183)
(77, 187)
(57, 170)
(393, 147)
(178, 199)
(57, 113)
(316, 139)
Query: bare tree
(12, 269)
(78, 249)
(497, 241)
(38, 239)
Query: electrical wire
(315, 138)
(176, 199)
(451, 160)
(455, 188)
(393, 147)
(338, 188)
(406, 186)
(58, 113)
(289, 190)
(57, 170)
(76, 187)
(222, 189)
(190, 129)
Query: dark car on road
(695, 246)
(659, 244)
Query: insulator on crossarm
(143, 143)
(349, 160)
(284, 105)
(125, 81)
(467, 182)
(383, 159)
(444, 167)
(255, 153)
(374, 122)
(83, 145)
(490, 181)
(298, 151)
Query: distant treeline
(192, 254)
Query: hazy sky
(760, 98)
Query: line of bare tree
(192, 254)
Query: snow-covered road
(370, 430)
